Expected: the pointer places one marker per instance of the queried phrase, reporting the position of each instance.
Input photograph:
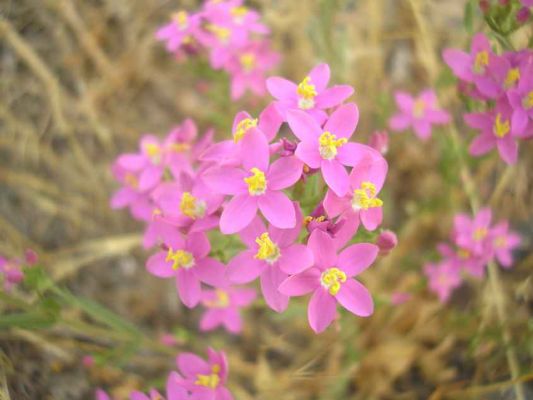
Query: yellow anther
(527, 102)
(191, 206)
(481, 61)
(221, 301)
(181, 18)
(480, 234)
(180, 147)
(463, 254)
(513, 76)
(131, 180)
(212, 380)
(243, 127)
(365, 197)
(180, 258)
(220, 32)
(500, 242)
(501, 128)
(309, 219)
(419, 107)
(306, 92)
(328, 145)
(267, 250)
(257, 183)
(247, 61)
(331, 279)
(239, 12)
(152, 150)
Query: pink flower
(174, 389)
(473, 234)
(180, 31)
(496, 130)
(462, 258)
(521, 100)
(223, 308)
(443, 279)
(386, 241)
(420, 113)
(329, 280)
(11, 271)
(361, 203)
(379, 141)
(31, 257)
(87, 361)
(328, 148)
(205, 380)
(186, 260)
(157, 229)
(504, 242)
(272, 255)
(311, 95)
(101, 395)
(257, 186)
(398, 298)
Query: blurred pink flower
(443, 279)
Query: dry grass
(81, 80)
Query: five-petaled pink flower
(443, 279)
(311, 95)
(503, 243)
(329, 280)
(186, 260)
(471, 233)
(419, 113)
(328, 148)
(272, 255)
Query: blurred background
(81, 80)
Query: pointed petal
(322, 310)
(323, 249)
(277, 209)
(296, 258)
(335, 176)
(238, 213)
(343, 121)
(356, 258)
(356, 298)
(188, 286)
(270, 279)
(284, 172)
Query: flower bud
(379, 141)
(386, 241)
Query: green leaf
(28, 320)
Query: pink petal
(404, 101)
(284, 172)
(281, 89)
(270, 121)
(322, 310)
(198, 244)
(285, 237)
(277, 209)
(225, 180)
(335, 176)
(238, 213)
(123, 197)
(372, 217)
(188, 286)
(303, 125)
(249, 234)
(422, 129)
(335, 205)
(333, 96)
(307, 151)
(356, 258)
(150, 177)
(190, 365)
(157, 265)
(254, 150)
(320, 76)
(481, 144)
(508, 150)
(399, 122)
(296, 258)
(132, 162)
(244, 267)
(323, 249)
(211, 319)
(351, 154)
(232, 320)
(211, 271)
(356, 298)
(343, 121)
(302, 283)
(460, 63)
(270, 279)
(174, 389)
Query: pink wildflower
(464, 259)
(472, 234)
(186, 260)
(443, 279)
(329, 280)
(521, 100)
(272, 255)
(12, 272)
(328, 148)
(174, 389)
(419, 113)
(504, 242)
(180, 31)
(311, 95)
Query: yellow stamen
(181, 18)
(480, 234)
(180, 147)
(309, 219)
(268, 250)
(419, 107)
(331, 279)
(247, 61)
(481, 61)
(527, 102)
(500, 241)
(152, 150)
(220, 32)
(210, 381)
(132, 181)
(180, 258)
(239, 12)
(191, 206)
(365, 197)
(307, 93)
(328, 145)
(513, 75)
(243, 127)
(501, 128)
(257, 182)
(221, 301)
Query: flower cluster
(234, 37)
(504, 83)
(190, 191)
(475, 244)
(197, 379)
(12, 269)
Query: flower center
(247, 61)
(481, 61)
(365, 197)
(331, 279)
(527, 102)
(238, 14)
(154, 152)
(500, 242)
(181, 18)
(419, 108)
(268, 250)
(306, 93)
(132, 181)
(257, 183)
(191, 206)
(513, 75)
(180, 258)
(210, 381)
(463, 254)
(243, 127)
(501, 128)
(180, 147)
(310, 218)
(328, 145)
(221, 301)
(480, 234)
(220, 32)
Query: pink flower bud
(484, 6)
(523, 15)
(31, 257)
(379, 140)
(87, 361)
(398, 298)
(386, 241)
